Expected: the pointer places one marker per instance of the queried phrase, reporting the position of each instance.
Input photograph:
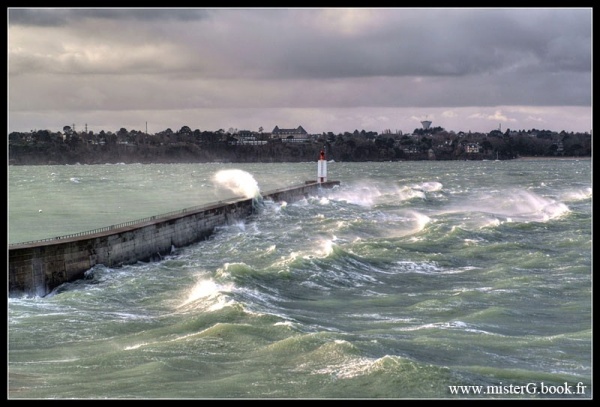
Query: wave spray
(239, 182)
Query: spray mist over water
(239, 182)
(513, 204)
(360, 194)
(428, 186)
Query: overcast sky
(329, 69)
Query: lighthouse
(322, 168)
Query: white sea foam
(208, 290)
(324, 201)
(407, 193)
(284, 323)
(515, 205)
(429, 186)
(413, 222)
(349, 366)
(362, 195)
(577, 195)
(239, 182)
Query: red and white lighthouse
(322, 168)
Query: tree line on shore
(43, 147)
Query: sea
(409, 280)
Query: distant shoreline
(525, 158)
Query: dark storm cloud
(58, 16)
(430, 43)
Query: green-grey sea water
(468, 279)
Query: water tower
(426, 124)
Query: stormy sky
(326, 69)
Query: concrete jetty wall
(39, 267)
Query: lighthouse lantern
(322, 168)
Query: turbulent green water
(409, 280)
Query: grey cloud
(181, 60)
(59, 16)
(283, 44)
(38, 17)
(435, 43)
